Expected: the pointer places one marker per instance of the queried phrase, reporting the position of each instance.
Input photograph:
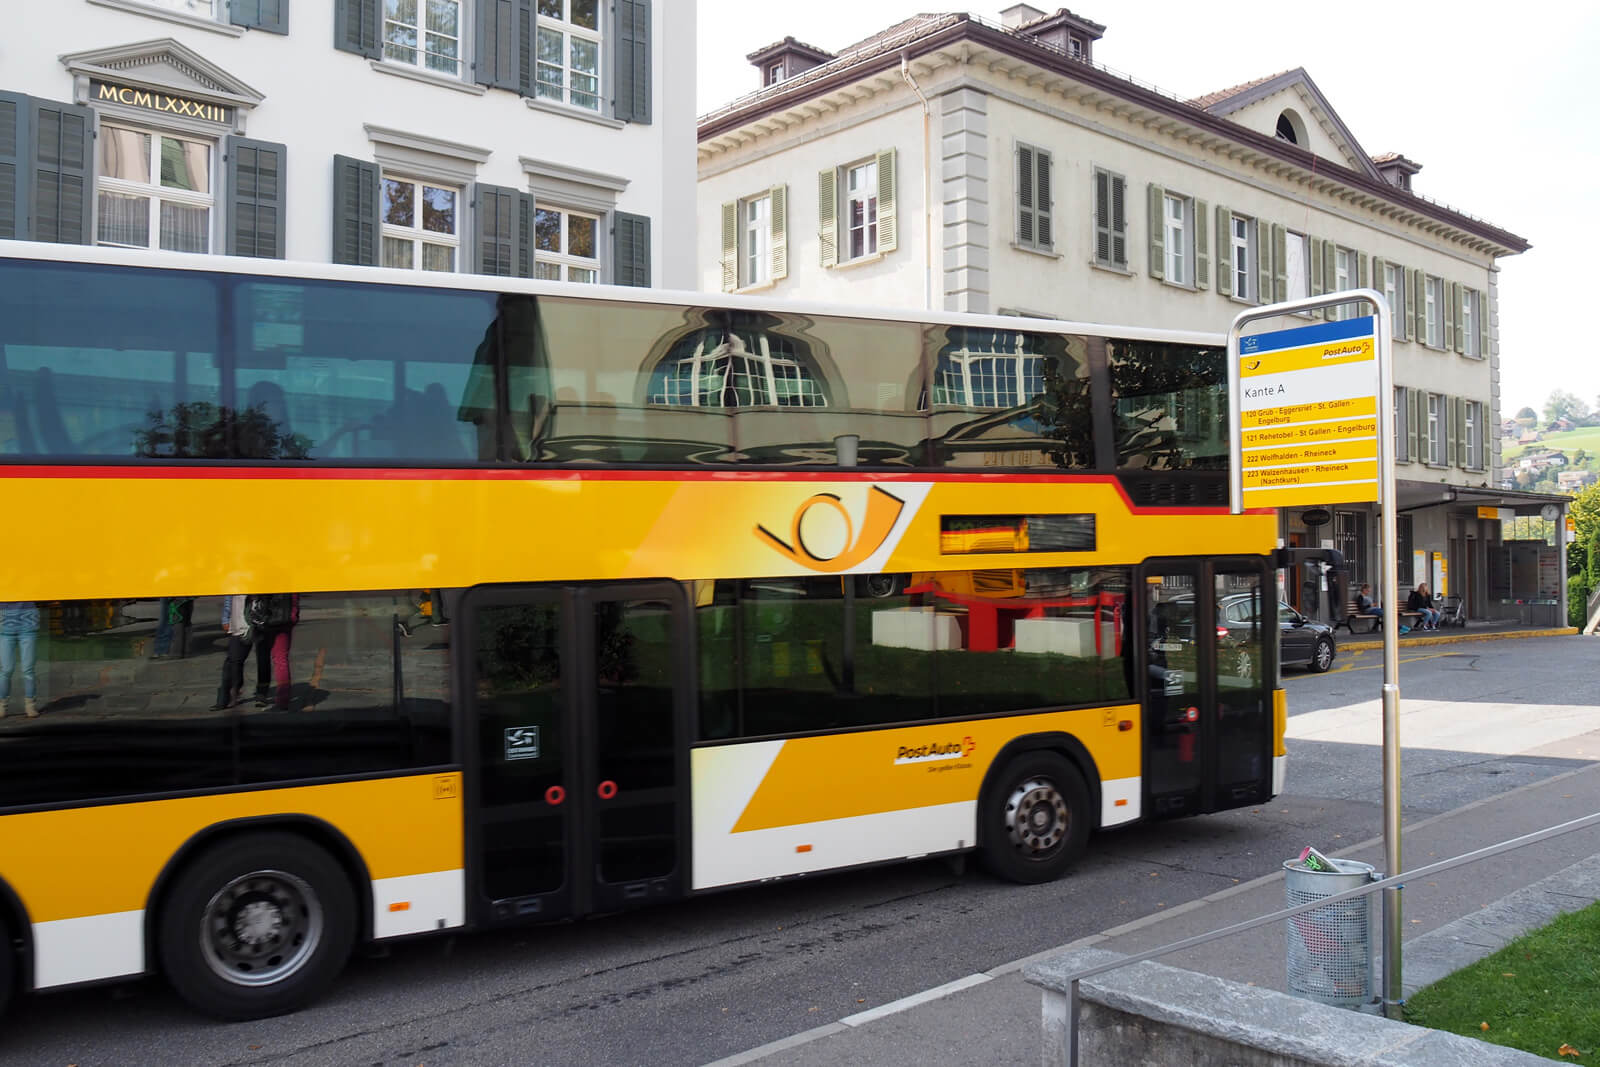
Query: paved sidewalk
(994, 1017)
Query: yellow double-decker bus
(341, 605)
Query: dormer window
(1075, 47)
(775, 73)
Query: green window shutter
(15, 110)
(1363, 281)
(1224, 251)
(498, 61)
(1419, 419)
(1202, 245)
(888, 230)
(255, 193)
(1042, 201)
(730, 246)
(1315, 248)
(1455, 319)
(780, 232)
(1280, 264)
(1025, 197)
(1462, 459)
(1452, 437)
(1102, 217)
(1263, 262)
(1483, 331)
(496, 230)
(62, 172)
(355, 27)
(269, 15)
(1403, 312)
(525, 220)
(1158, 248)
(1416, 324)
(828, 215)
(630, 249)
(1119, 221)
(527, 68)
(631, 75)
(355, 211)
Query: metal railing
(1395, 882)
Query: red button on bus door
(1192, 715)
(554, 796)
(607, 789)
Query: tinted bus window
(1170, 406)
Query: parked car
(1301, 641)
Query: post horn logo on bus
(883, 511)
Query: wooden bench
(1352, 615)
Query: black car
(1300, 641)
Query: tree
(1527, 415)
(1564, 405)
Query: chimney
(1396, 169)
(1018, 14)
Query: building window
(1242, 244)
(1394, 291)
(1345, 273)
(1034, 228)
(755, 240)
(1110, 220)
(1436, 418)
(421, 224)
(1297, 264)
(1473, 431)
(566, 245)
(988, 369)
(1349, 528)
(1471, 323)
(1433, 309)
(861, 209)
(154, 190)
(734, 367)
(1177, 225)
(569, 52)
(1402, 424)
(775, 73)
(423, 33)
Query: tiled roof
(898, 30)
(1212, 99)
(790, 42)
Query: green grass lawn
(1586, 438)
(1539, 993)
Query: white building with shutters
(520, 137)
(956, 163)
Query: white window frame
(569, 31)
(1471, 322)
(1433, 310)
(761, 369)
(1177, 238)
(207, 10)
(1473, 431)
(1436, 417)
(1402, 424)
(153, 190)
(774, 72)
(415, 233)
(1242, 257)
(867, 196)
(1394, 290)
(755, 240)
(420, 55)
(1299, 281)
(1345, 272)
(563, 262)
(995, 379)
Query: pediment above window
(162, 65)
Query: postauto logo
(935, 751)
(883, 511)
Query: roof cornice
(962, 28)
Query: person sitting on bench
(1366, 606)
(1421, 602)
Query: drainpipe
(927, 188)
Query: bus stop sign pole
(1311, 421)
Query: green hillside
(1568, 441)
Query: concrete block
(919, 628)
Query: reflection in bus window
(1170, 406)
(736, 364)
(127, 698)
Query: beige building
(950, 162)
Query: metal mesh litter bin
(1329, 950)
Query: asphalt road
(697, 980)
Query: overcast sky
(1496, 101)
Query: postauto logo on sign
(935, 751)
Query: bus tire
(257, 926)
(8, 965)
(1035, 819)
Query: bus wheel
(8, 965)
(257, 926)
(1035, 819)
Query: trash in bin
(1329, 951)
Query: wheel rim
(260, 928)
(879, 585)
(1324, 654)
(1246, 665)
(1037, 818)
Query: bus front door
(578, 699)
(1210, 635)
